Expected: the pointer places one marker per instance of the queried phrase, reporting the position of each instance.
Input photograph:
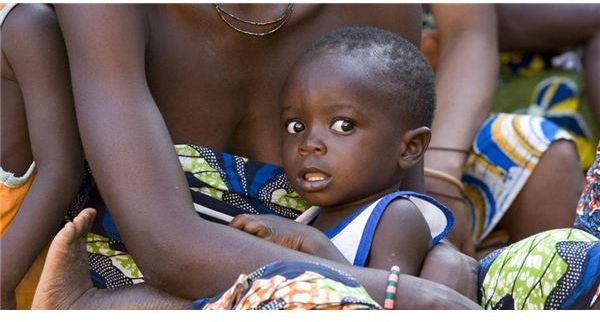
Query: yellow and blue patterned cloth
(556, 98)
(506, 150)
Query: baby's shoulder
(402, 207)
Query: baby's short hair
(404, 68)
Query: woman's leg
(549, 198)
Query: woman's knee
(562, 152)
(549, 198)
(559, 168)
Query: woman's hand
(452, 197)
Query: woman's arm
(131, 154)
(465, 88)
(34, 47)
(135, 166)
(466, 76)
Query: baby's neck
(331, 216)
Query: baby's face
(340, 143)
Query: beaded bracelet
(390, 289)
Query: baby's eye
(294, 127)
(342, 126)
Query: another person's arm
(34, 47)
(446, 265)
(465, 87)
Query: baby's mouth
(313, 180)
(314, 176)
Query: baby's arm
(290, 234)
(402, 238)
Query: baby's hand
(278, 230)
(288, 233)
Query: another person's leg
(546, 27)
(523, 176)
(551, 27)
(549, 198)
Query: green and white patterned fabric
(555, 269)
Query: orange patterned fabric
(10, 201)
(292, 286)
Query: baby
(356, 112)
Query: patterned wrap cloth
(506, 150)
(234, 185)
(556, 269)
(588, 208)
(220, 181)
(292, 286)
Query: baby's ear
(415, 144)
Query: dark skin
(347, 143)
(38, 123)
(125, 78)
(346, 120)
(467, 38)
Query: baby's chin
(312, 199)
(319, 199)
(325, 200)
